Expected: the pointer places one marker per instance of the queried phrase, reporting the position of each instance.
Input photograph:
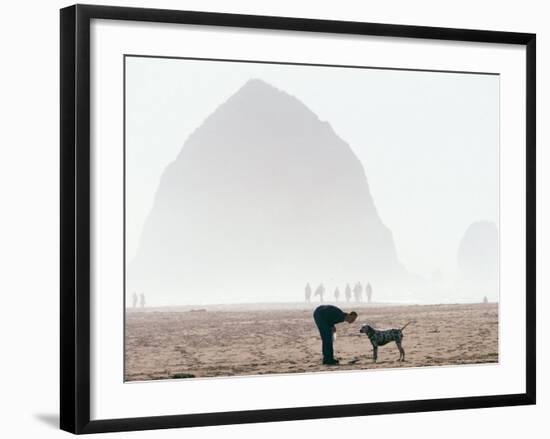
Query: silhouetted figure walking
(347, 292)
(358, 292)
(485, 300)
(142, 300)
(320, 291)
(336, 294)
(368, 290)
(308, 293)
(326, 316)
(134, 300)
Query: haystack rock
(262, 198)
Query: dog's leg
(374, 353)
(401, 351)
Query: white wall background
(29, 201)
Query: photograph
(284, 218)
(275, 219)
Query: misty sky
(428, 141)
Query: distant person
(358, 292)
(308, 293)
(485, 300)
(325, 317)
(347, 292)
(320, 291)
(134, 300)
(368, 290)
(142, 300)
(336, 294)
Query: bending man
(326, 316)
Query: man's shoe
(331, 362)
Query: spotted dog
(380, 338)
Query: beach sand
(259, 339)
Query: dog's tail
(406, 325)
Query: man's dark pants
(326, 336)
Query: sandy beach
(234, 340)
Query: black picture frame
(75, 217)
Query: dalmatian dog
(381, 337)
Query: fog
(247, 181)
